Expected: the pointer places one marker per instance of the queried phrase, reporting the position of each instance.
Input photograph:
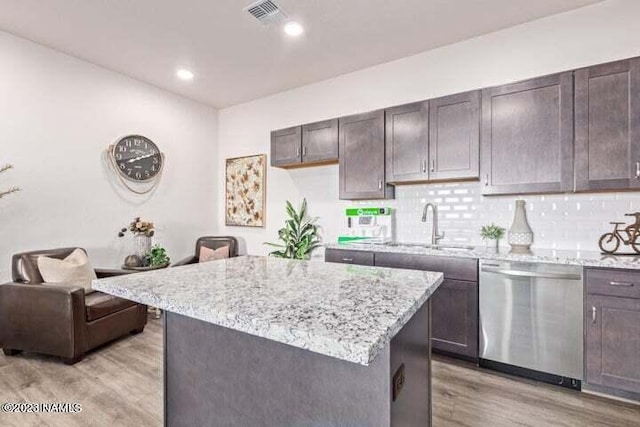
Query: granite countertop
(344, 311)
(544, 256)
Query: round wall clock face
(137, 158)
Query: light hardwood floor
(117, 385)
(120, 385)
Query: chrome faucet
(435, 235)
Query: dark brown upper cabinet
(307, 145)
(527, 136)
(320, 142)
(362, 157)
(286, 147)
(607, 126)
(407, 140)
(454, 137)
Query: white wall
(57, 116)
(603, 32)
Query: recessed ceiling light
(292, 28)
(184, 74)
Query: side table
(132, 270)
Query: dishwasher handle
(490, 268)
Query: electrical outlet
(398, 382)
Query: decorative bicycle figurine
(610, 242)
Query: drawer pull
(621, 284)
(347, 259)
(594, 314)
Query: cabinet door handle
(304, 151)
(347, 259)
(486, 179)
(424, 166)
(433, 165)
(621, 284)
(297, 151)
(379, 184)
(594, 314)
(637, 170)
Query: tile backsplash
(559, 221)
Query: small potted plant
(157, 257)
(491, 233)
(142, 232)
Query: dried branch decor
(10, 190)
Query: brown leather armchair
(211, 242)
(60, 320)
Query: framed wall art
(245, 182)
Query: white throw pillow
(74, 270)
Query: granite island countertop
(344, 311)
(543, 256)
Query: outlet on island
(398, 382)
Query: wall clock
(137, 159)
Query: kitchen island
(257, 341)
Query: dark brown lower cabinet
(454, 306)
(612, 329)
(454, 318)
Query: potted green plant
(158, 257)
(299, 236)
(10, 190)
(492, 233)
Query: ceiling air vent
(266, 12)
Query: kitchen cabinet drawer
(348, 257)
(612, 350)
(453, 268)
(615, 283)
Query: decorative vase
(132, 261)
(141, 245)
(520, 234)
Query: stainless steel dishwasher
(531, 320)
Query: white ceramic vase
(520, 233)
(141, 245)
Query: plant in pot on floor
(299, 236)
(492, 233)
